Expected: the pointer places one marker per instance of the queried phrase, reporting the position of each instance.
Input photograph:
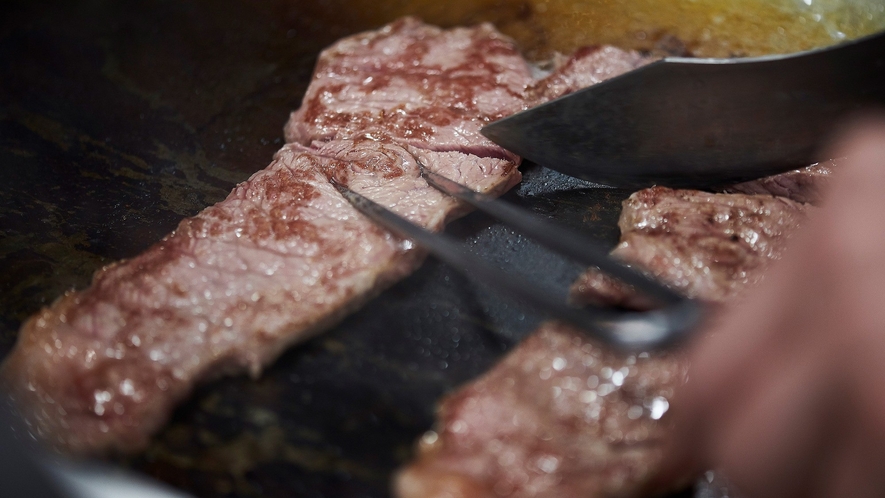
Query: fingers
(857, 455)
(855, 209)
(857, 138)
(771, 446)
(855, 467)
(743, 349)
(764, 397)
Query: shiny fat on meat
(709, 246)
(283, 257)
(416, 85)
(587, 66)
(801, 185)
(561, 415)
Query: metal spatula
(701, 122)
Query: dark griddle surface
(117, 119)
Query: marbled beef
(559, 416)
(587, 66)
(284, 256)
(706, 245)
(564, 416)
(802, 185)
(416, 85)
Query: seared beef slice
(414, 84)
(562, 416)
(284, 256)
(709, 246)
(558, 417)
(801, 185)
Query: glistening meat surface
(709, 246)
(559, 416)
(801, 185)
(563, 416)
(414, 84)
(587, 66)
(283, 257)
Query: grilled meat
(416, 85)
(706, 245)
(587, 66)
(801, 185)
(559, 416)
(562, 416)
(284, 256)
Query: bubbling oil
(707, 28)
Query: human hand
(786, 395)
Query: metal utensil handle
(567, 242)
(626, 330)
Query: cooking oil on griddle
(718, 28)
(711, 28)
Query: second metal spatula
(701, 122)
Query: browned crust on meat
(587, 66)
(282, 258)
(548, 420)
(561, 416)
(801, 185)
(706, 245)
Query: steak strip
(563, 416)
(284, 256)
(709, 246)
(801, 185)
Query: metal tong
(659, 328)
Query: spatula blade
(701, 122)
